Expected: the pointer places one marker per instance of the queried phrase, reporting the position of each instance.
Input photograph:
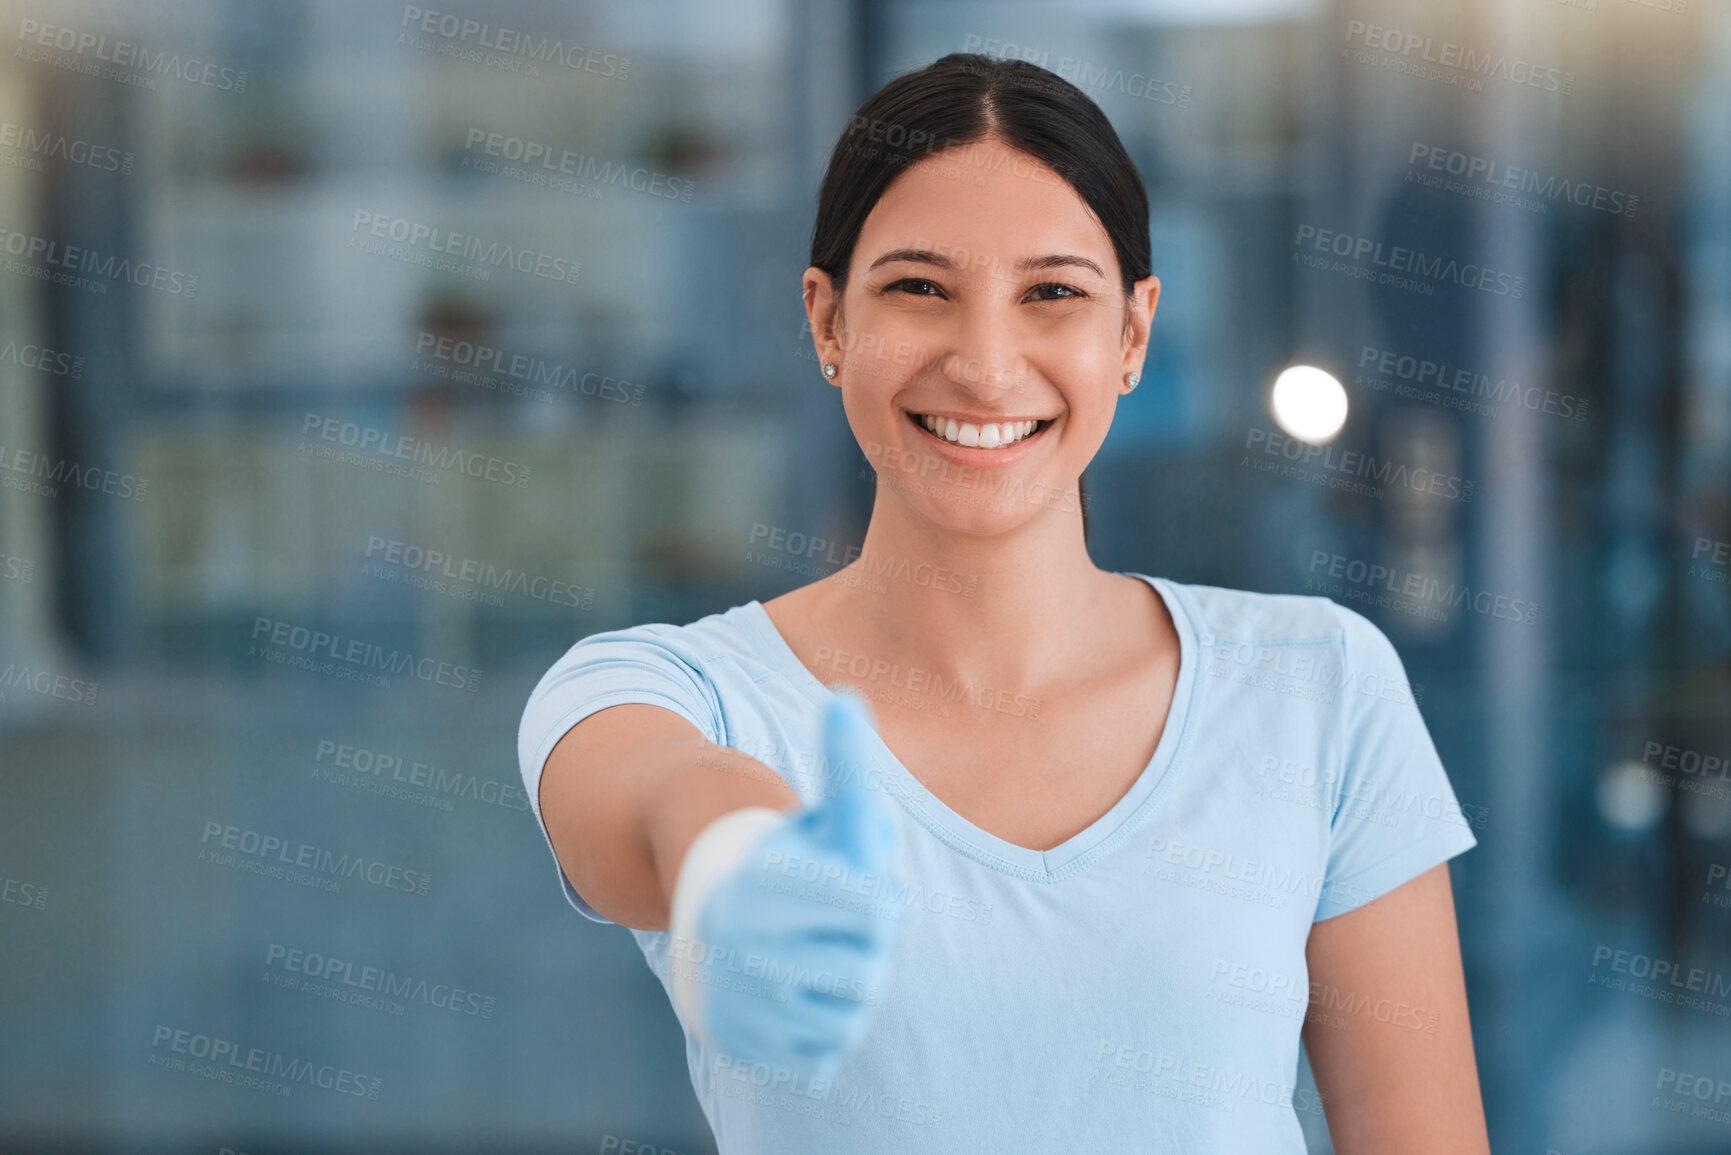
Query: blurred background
(356, 358)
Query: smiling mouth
(987, 435)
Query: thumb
(852, 818)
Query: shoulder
(684, 668)
(722, 656)
(698, 646)
(1222, 615)
(1341, 645)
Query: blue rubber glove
(795, 947)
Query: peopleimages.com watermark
(255, 1068)
(16, 569)
(470, 362)
(498, 46)
(21, 893)
(1447, 61)
(1663, 980)
(1717, 875)
(922, 689)
(867, 564)
(763, 975)
(1348, 470)
(22, 146)
(1298, 671)
(303, 863)
(20, 676)
(534, 162)
(615, 1145)
(368, 987)
(1204, 1084)
(1255, 988)
(1369, 800)
(1229, 874)
(809, 772)
(1482, 178)
(19, 466)
(1372, 583)
(84, 268)
(925, 472)
(1090, 78)
(1300, 999)
(873, 138)
(1693, 769)
(1397, 266)
(1711, 561)
(464, 577)
(1698, 1096)
(874, 355)
(121, 61)
(1655, 5)
(351, 659)
(815, 1097)
(385, 452)
(377, 771)
(1453, 387)
(29, 355)
(446, 250)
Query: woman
(1116, 840)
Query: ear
(822, 308)
(1139, 323)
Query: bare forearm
(624, 794)
(706, 784)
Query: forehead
(988, 199)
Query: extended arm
(626, 791)
(659, 826)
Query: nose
(983, 359)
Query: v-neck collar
(1074, 854)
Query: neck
(1034, 592)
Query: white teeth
(991, 435)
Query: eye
(1055, 291)
(914, 286)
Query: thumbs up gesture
(784, 958)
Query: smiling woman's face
(982, 337)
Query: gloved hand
(788, 959)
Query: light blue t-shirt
(1140, 987)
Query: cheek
(1086, 369)
(899, 346)
(870, 416)
(1087, 338)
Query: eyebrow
(927, 257)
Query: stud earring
(1133, 380)
(829, 370)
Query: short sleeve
(649, 664)
(1395, 815)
